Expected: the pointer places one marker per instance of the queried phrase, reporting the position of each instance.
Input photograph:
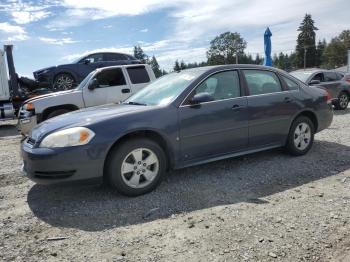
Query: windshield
(302, 76)
(86, 79)
(76, 61)
(165, 89)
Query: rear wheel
(136, 167)
(57, 113)
(343, 101)
(64, 81)
(301, 136)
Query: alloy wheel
(64, 82)
(139, 168)
(302, 136)
(343, 101)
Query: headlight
(75, 136)
(28, 106)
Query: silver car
(330, 80)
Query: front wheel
(136, 167)
(301, 136)
(343, 101)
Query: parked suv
(102, 86)
(64, 77)
(333, 81)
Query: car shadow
(8, 130)
(226, 182)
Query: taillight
(328, 96)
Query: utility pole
(348, 60)
(305, 50)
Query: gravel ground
(262, 207)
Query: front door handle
(126, 90)
(287, 99)
(237, 107)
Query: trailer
(13, 89)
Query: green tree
(177, 66)
(139, 54)
(183, 65)
(321, 45)
(306, 42)
(226, 48)
(335, 53)
(155, 67)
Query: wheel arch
(65, 71)
(49, 110)
(311, 115)
(144, 133)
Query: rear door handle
(126, 90)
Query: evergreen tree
(182, 65)
(177, 66)
(321, 45)
(140, 55)
(155, 67)
(306, 42)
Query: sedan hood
(43, 69)
(51, 95)
(84, 117)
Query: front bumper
(62, 165)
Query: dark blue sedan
(67, 76)
(182, 119)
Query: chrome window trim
(234, 69)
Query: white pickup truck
(103, 86)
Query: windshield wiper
(136, 103)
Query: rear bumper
(62, 165)
(325, 117)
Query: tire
(342, 102)
(64, 81)
(127, 175)
(305, 127)
(57, 113)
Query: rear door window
(114, 57)
(111, 77)
(330, 77)
(291, 85)
(138, 75)
(262, 82)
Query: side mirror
(201, 98)
(93, 84)
(87, 61)
(315, 82)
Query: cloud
(56, 41)
(145, 30)
(11, 33)
(24, 12)
(25, 17)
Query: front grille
(54, 174)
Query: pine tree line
(228, 48)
